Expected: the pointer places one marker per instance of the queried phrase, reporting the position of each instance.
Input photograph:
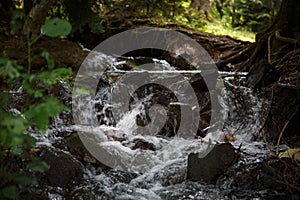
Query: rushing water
(159, 174)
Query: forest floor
(72, 54)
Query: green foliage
(9, 68)
(10, 192)
(18, 165)
(37, 166)
(56, 27)
(53, 28)
(254, 15)
(242, 15)
(38, 84)
(98, 16)
(39, 114)
(82, 16)
(15, 126)
(11, 18)
(220, 29)
(15, 142)
(49, 59)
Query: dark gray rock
(262, 74)
(64, 170)
(213, 165)
(143, 144)
(198, 83)
(74, 145)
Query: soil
(65, 53)
(70, 54)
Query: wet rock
(64, 169)
(198, 83)
(213, 165)
(141, 56)
(170, 128)
(159, 96)
(129, 63)
(262, 74)
(201, 90)
(245, 177)
(74, 145)
(142, 144)
(120, 176)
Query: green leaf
(56, 27)
(17, 150)
(52, 77)
(9, 68)
(15, 124)
(38, 94)
(38, 166)
(62, 72)
(47, 78)
(49, 59)
(40, 113)
(10, 192)
(25, 180)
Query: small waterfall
(246, 112)
(161, 168)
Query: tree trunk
(285, 30)
(203, 5)
(37, 15)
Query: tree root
(236, 55)
(262, 49)
(286, 58)
(286, 39)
